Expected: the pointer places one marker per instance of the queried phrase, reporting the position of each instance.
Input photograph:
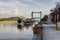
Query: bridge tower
(40, 15)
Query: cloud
(13, 4)
(25, 7)
(9, 8)
(8, 0)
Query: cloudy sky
(24, 8)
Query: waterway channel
(9, 31)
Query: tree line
(9, 19)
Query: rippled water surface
(9, 31)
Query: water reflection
(23, 27)
(11, 32)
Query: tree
(44, 18)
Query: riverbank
(7, 22)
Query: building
(55, 11)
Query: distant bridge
(32, 15)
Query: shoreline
(8, 22)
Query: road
(50, 33)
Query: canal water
(9, 31)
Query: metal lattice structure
(32, 15)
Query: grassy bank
(58, 28)
(7, 22)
